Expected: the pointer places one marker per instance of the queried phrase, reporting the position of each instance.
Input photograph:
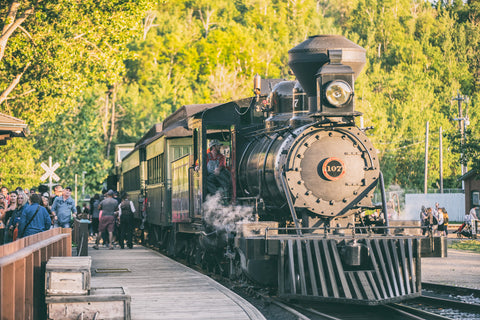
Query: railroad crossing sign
(49, 172)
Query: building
(11, 127)
(471, 181)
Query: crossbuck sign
(50, 172)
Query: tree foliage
(71, 48)
(95, 73)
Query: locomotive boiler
(302, 171)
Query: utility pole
(425, 187)
(440, 156)
(462, 126)
(83, 184)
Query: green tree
(70, 47)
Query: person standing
(473, 219)
(95, 213)
(435, 210)
(125, 213)
(3, 210)
(57, 192)
(34, 218)
(423, 220)
(4, 191)
(46, 204)
(15, 215)
(108, 207)
(429, 220)
(445, 221)
(441, 222)
(63, 208)
(11, 207)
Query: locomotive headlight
(338, 93)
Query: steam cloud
(223, 217)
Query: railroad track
(449, 290)
(329, 311)
(432, 306)
(448, 308)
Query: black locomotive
(301, 175)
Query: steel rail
(415, 313)
(448, 303)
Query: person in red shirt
(218, 176)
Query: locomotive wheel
(198, 254)
(153, 238)
(181, 248)
(194, 252)
(236, 272)
(171, 242)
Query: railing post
(80, 235)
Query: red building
(472, 189)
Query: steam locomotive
(301, 175)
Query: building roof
(470, 174)
(11, 127)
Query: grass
(470, 245)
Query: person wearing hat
(218, 175)
(108, 206)
(63, 208)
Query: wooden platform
(161, 288)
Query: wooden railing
(22, 272)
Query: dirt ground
(460, 268)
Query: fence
(454, 203)
(22, 272)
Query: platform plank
(161, 288)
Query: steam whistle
(260, 106)
(257, 86)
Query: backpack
(126, 209)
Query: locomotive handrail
(349, 228)
(267, 229)
(289, 201)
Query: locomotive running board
(313, 269)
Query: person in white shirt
(472, 219)
(441, 226)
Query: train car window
(476, 198)
(155, 170)
(180, 151)
(131, 179)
